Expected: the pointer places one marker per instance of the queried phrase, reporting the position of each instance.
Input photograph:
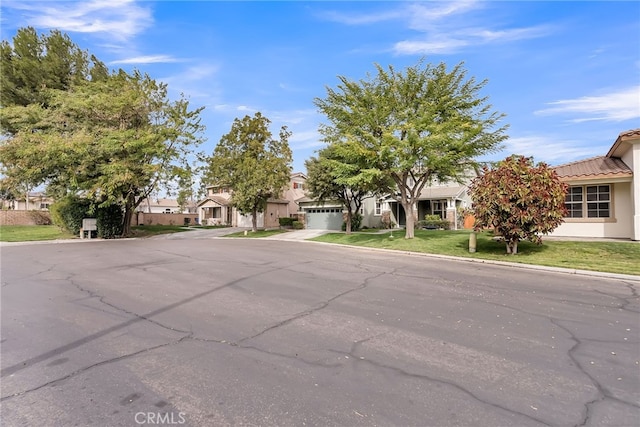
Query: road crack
(312, 310)
(95, 365)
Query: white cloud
(422, 16)
(117, 19)
(305, 139)
(418, 14)
(551, 149)
(146, 59)
(451, 41)
(434, 45)
(442, 27)
(361, 19)
(616, 106)
(197, 81)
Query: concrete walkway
(297, 235)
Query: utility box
(89, 225)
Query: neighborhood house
(603, 199)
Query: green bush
(297, 225)
(109, 221)
(68, 212)
(285, 221)
(434, 224)
(356, 222)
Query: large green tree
(31, 64)
(424, 124)
(254, 164)
(340, 173)
(519, 200)
(114, 139)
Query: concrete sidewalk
(297, 235)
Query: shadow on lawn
(486, 244)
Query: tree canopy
(519, 200)
(339, 173)
(33, 63)
(254, 164)
(112, 137)
(413, 127)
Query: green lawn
(29, 233)
(256, 234)
(613, 257)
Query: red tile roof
(595, 167)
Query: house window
(598, 198)
(44, 205)
(596, 205)
(573, 202)
(378, 208)
(167, 210)
(437, 207)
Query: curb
(560, 270)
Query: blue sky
(566, 73)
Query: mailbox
(88, 225)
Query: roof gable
(621, 145)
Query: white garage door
(247, 220)
(324, 218)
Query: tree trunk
(254, 220)
(512, 247)
(126, 220)
(408, 213)
(348, 226)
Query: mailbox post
(88, 225)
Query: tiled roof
(222, 201)
(595, 167)
(630, 133)
(443, 192)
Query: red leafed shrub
(519, 200)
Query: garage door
(324, 219)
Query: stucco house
(603, 199)
(163, 205)
(445, 199)
(37, 201)
(442, 199)
(217, 209)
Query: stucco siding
(369, 217)
(621, 227)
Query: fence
(20, 217)
(143, 218)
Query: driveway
(298, 235)
(215, 332)
(198, 233)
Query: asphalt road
(215, 332)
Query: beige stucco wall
(142, 218)
(273, 213)
(621, 227)
(634, 163)
(370, 219)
